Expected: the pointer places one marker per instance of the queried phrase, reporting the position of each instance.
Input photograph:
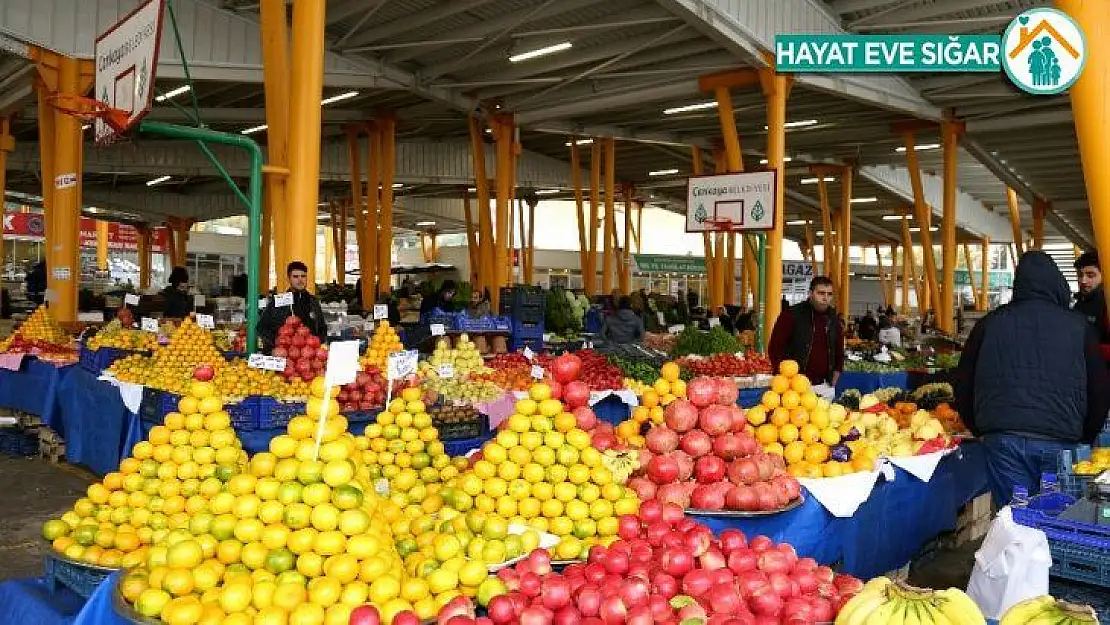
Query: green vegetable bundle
(715, 341)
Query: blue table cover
(34, 389)
(30, 601)
(869, 382)
(750, 397)
(98, 610)
(95, 421)
(888, 529)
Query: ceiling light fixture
(158, 180)
(864, 200)
(425, 223)
(663, 172)
(547, 191)
(931, 229)
(173, 94)
(895, 217)
(799, 222)
(253, 129)
(814, 180)
(798, 124)
(919, 148)
(338, 98)
(398, 185)
(690, 107)
(531, 54)
(785, 159)
(580, 142)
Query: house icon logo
(1043, 51)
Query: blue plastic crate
(268, 413)
(527, 330)
(19, 442)
(1080, 551)
(535, 344)
(356, 417)
(82, 579)
(156, 404)
(95, 361)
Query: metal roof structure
(624, 64)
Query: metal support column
(373, 273)
(984, 285)
(7, 145)
(1015, 222)
(101, 239)
(924, 223)
(911, 263)
(472, 253)
(486, 251)
(775, 90)
(844, 239)
(64, 273)
(275, 76)
(950, 136)
(503, 134)
(576, 181)
(610, 231)
(590, 271)
(387, 125)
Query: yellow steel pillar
(1088, 101)
(734, 162)
(829, 254)
(844, 238)
(576, 181)
(775, 89)
(503, 133)
(64, 272)
(720, 161)
(354, 160)
(1015, 222)
(145, 249)
(1040, 209)
(275, 76)
(970, 279)
(330, 235)
(910, 263)
(906, 255)
(530, 238)
(590, 271)
(7, 144)
(305, 90)
(481, 189)
(950, 131)
(387, 125)
(610, 230)
(707, 241)
(46, 156)
(624, 257)
(101, 244)
(984, 285)
(373, 274)
(472, 253)
(924, 223)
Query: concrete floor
(32, 491)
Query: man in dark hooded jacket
(1031, 381)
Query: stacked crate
(525, 307)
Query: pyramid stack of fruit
(236, 380)
(464, 358)
(704, 457)
(384, 342)
(299, 538)
(171, 366)
(813, 438)
(167, 483)
(541, 471)
(41, 336)
(305, 357)
(669, 387)
(464, 363)
(114, 336)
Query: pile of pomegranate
(367, 392)
(304, 356)
(667, 569)
(704, 456)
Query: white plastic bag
(1011, 566)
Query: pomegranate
(696, 443)
(715, 420)
(681, 415)
(661, 440)
(701, 392)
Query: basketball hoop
(89, 109)
(719, 224)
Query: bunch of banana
(883, 602)
(1048, 611)
(621, 463)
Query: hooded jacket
(1092, 305)
(623, 326)
(1032, 367)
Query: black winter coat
(1032, 367)
(305, 306)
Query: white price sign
(537, 372)
(206, 322)
(381, 311)
(437, 329)
(61, 273)
(342, 367)
(446, 370)
(149, 325)
(283, 299)
(661, 318)
(198, 301)
(268, 363)
(131, 299)
(714, 322)
(401, 364)
(367, 325)
(528, 353)
(262, 303)
(237, 318)
(676, 329)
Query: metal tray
(125, 611)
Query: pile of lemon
(296, 538)
(164, 485)
(402, 447)
(541, 471)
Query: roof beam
(603, 102)
(855, 6)
(813, 204)
(622, 133)
(1014, 122)
(440, 11)
(944, 7)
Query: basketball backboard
(731, 202)
(126, 64)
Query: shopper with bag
(1031, 381)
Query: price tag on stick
(267, 363)
(206, 322)
(131, 299)
(446, 370)
(437, 329)
(149, 325)
(283, 299)
(537, 372)
(381, 311)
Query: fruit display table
(94, 421)
(868, 382)
(889, 528)
(31, 601)
(33, 389)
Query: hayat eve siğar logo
(1043, 51)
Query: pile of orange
(237, 380)
(40, 326)
(384, 342)
(170, 367)
(790, 421)
(164, 485)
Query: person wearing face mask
(1091, 299)
(810, 334)
(305, 306)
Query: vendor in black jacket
(305, 306)
(1031, 381)
(178, 303)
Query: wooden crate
(52, 452)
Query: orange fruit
(770, 400)
(816, 453)
(650, 398)
(669, 371)
(780, 417)
(780, 384)
(800, 384)
(832, 469)
(794, 452)
(756, 415)
(773, 448)
(809, 433)
(799, 416)
(767, 434)
(788, 433)
(788, 368)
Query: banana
(930, 613)
(1048, 616)
(913, 615)
(959, 608)
(1023, 612)
(884, 614)
(859, 607)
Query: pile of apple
(704, 456)
(668, 569)
(304, 356)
